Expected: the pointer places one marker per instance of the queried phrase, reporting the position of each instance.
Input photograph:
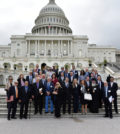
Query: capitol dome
(51, 20)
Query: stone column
(68, 47)
(35, 48)
(45, 30)
(45, 47)
(59, 50)
(29, 48)
(72, 48)
(38, 47)
(61, 47)
(56, 30)
(52, 53)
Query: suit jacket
(28, 79)
(114, 88)
(12, 92)
(75, 73)
(67, 90)
(109, 93)
(89, 85)
(61, 81)
(70, 79)
(36, 89)
(25, 96)
(66, 74)
(60, 73)
(102, 86)
(49, 89)
(76, 91)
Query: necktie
(26, 89)
(100, 84)
(67, 85)
(88, 83)
(48, 85)
(30, 79)
(43, 81)
(106, 91)
(16, 92)
(37, 85)
(111, 84)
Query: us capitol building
(51, 41)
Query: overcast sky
(99, 19)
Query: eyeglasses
(10, 79)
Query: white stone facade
(53, 43)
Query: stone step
(49, 115)
(5, 110)
(4, 105)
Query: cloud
(99, 19)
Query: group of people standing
(60, 92)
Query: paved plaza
(61, 126)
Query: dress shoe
(35, 113)
(25, 117)
(111, 117)
(106, 116)
(13, 118)
(8, 119)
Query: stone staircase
(3, 111)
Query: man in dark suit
(61, 78)
(66, 73)
(12, 99)
(75, 72)
(88, 82)
(100, 86)
(87, 73)
(38, 91)
(62, 70)
(71, 77)
(67, 95)
(29, 78)
(25, 95)
(114, 87)
(107, 96)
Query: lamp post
(26, 68)
(5, 67)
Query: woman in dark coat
(21, 81)
(94, 106)
(84, 89)
(57, 95)
(76, 95)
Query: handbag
(87, 96)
